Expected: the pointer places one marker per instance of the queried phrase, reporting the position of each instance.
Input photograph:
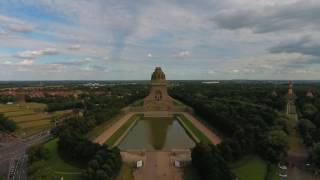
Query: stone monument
(158, 98)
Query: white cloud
(36, 54)
(149, 55)
(27, 62)
(29, 54)
(183, 54)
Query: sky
(189, 39)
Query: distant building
(309, 94)
(36, 94)
(21, 96)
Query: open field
(253, 168)
(58, 165)
(31, 118)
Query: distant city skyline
(190, 40)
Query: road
(13, 156)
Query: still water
(156, 134)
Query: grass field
(31, 118)
(195, 131)
(58, 165)
(113, 139)
(253, 168)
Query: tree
(40, 171)
(307, 129)
(275, 146)
(315, 155)
(7, 124)
(209, 163)
(309, 111)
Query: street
(13, 158)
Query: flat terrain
(30, 117)
(252, 168)
(157, 167)
(58, 165)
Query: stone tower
(291, 97)
(158, 98)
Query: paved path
(102, 138)
(157, 167)
(204, 129)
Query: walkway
(204, 129)
(158, 167)
(101, 139)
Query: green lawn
(194, 130)
(113, 139)
(58, 165)
(253, 168)
(125, 173)
(102, 127)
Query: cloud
(15, 24)
(306, 45)
(28, 54)
(36, 54)
(75, 47)
(27, 62)
(270, 18)
(74, 63)
(183, 54)
(149, 55)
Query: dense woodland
(250, 117)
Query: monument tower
(158, 98)
(291, 108)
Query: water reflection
(156, 134)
